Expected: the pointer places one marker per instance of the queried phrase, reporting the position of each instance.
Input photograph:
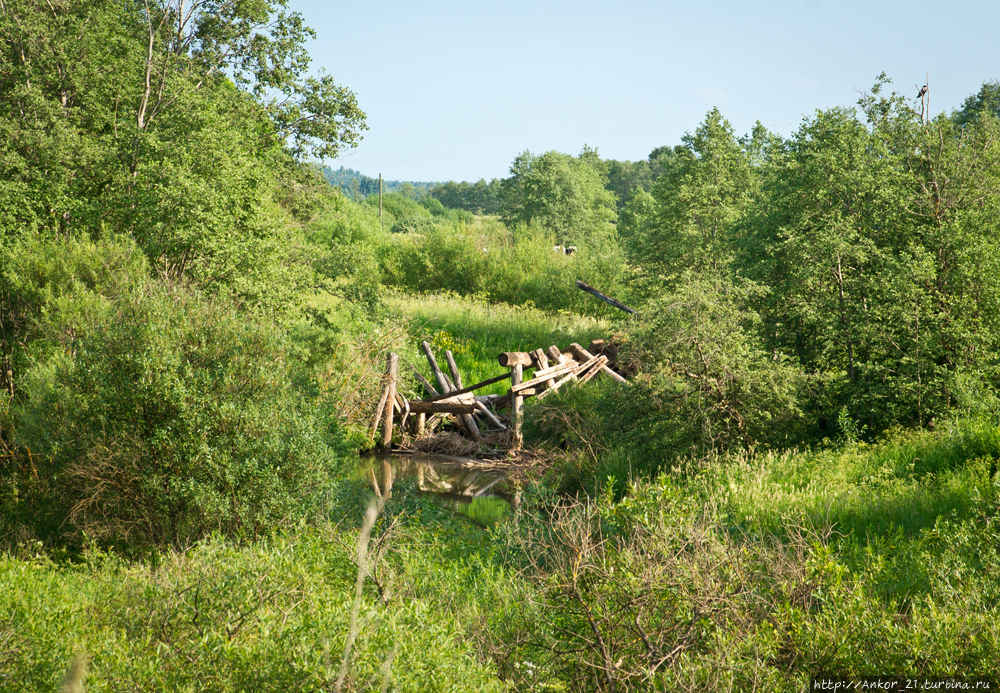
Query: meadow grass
(476, 332)
(903, 482)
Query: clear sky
(455, 90)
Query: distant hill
(356, 185)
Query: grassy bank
(751, 572)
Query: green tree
(565, 195)
(873, 241)
(986, 100)
(713, 181)
(169, 121)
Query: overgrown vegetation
(800, 477)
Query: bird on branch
(923, 90)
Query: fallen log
(604, 297)
(456, 408)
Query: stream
(470, 489)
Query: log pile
(450, 401)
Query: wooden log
(427, 386)
(543, 364)
(604, 297)
(489, 415)
(471, 388)
(491, 400)
(517, 405)
(509, 359)
(404, 411)
(391, 376)
(454, 386)
(379, 410)
(455, 375)
(457, 408)
(496, 401)
(585, 355)
(539, 360)
(555, 353)
(442, 383)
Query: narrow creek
(469, 487)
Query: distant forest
(358, 186)
(623, 178)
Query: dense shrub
(172, 418)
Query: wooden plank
(559, 383)
(509, 359)
(589, 372)
(583, 354)
(548, 375)
(558, 369)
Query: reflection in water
(450, 477)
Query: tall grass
(477, 331)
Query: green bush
(516, 267)
(174, 418)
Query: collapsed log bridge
(451, 401)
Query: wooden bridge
(538, 373)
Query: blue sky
(455, 90)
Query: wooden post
(393, 372)
(518, 405)
(380, 201)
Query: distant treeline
(358, 186)
(623, 178)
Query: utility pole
(380, 201)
